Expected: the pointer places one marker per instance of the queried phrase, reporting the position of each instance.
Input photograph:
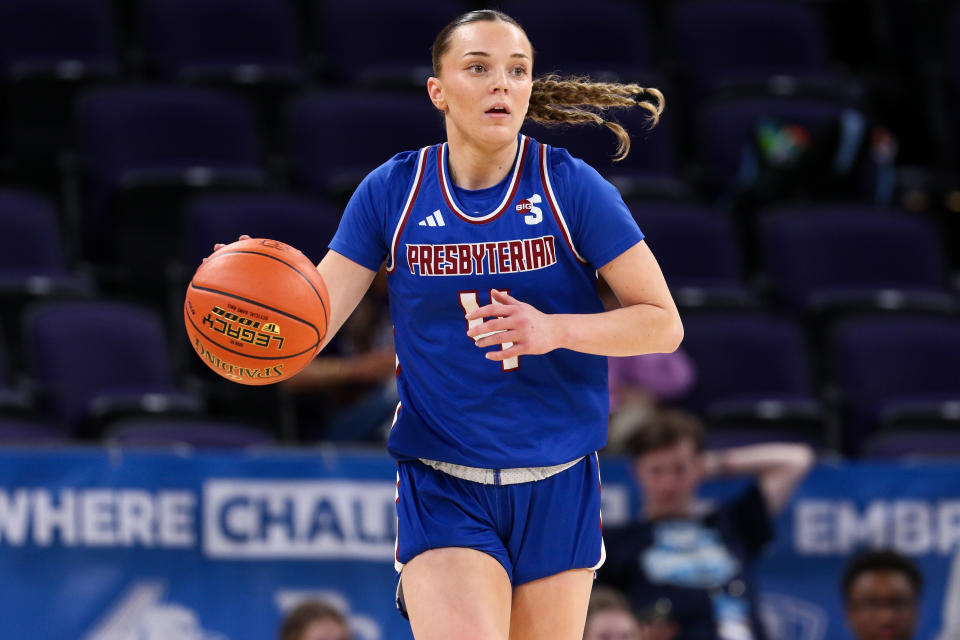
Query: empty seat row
(181, 38)
(93, 362)
(815, 259)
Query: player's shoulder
(567, 167)
(399, 168)
(573, 178)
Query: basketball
(256, 311)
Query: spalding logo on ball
(256, 311)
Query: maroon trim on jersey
(554, 207)
(512, 189)
(417, 181)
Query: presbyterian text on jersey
(478, 258)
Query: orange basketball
(256, 312)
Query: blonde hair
(555, 100)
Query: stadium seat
(753, 370)
(305, 223)
(835, 258)
(750, 45)
(893, 370)
(94, 361)
(698, 252)
(195, 433)
(49, 51)
(613, 41)
(33, 264)
(15, 402)
(374, 44)
(336, 138)
(18, 432)
(913, 444)
(651, 168)
(144, 151)
(248, 46)
(726, 437)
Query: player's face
(882, 606)
(669, 478)
(484, 83)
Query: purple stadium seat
(14, 401)
(21, 431)
(326, 155)
(94, 360)
(250, 47)
(649, 170)
(896, 369)
(48, 32)
(197, 433)
(727, 437)
(697, 250)
(49, 50)
(747, 43)
(184, 39)
(302, 222)
(913, 445)
(864, 257)
(370, 43)
(612, 41)
(751, 368)
(144, 150)
(33, 245)
(33, 263)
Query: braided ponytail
(555, 100)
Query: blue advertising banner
(110, 545)
(102, 544)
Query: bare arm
(346, 282)
(648, 321)
(779, 468)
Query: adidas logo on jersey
(433, 220)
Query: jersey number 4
(469, 302)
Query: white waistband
(499, 476)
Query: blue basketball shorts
(534, 529)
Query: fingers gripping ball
(256, 311)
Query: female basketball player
(493, 243)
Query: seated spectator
(609, 617)
(950, 612)
(881, 594)
(690, 566)
(314, 620)
(639, 385)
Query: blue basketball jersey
(540, 235)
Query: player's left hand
(530, 331)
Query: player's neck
(474, 167)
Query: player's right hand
(220, 245)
